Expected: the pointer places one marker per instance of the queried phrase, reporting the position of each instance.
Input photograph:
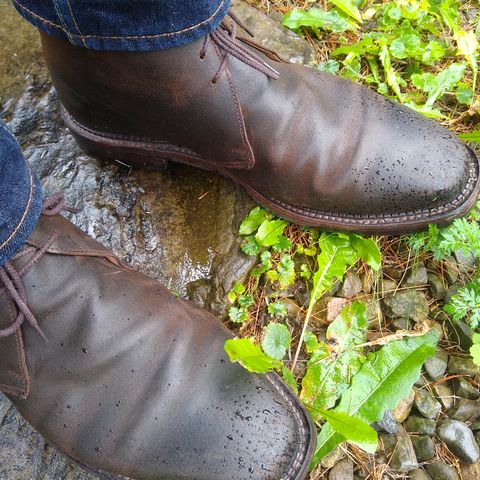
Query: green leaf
(276, 340)
(311, 342)
(348, 7)
(289, 379)
(464, 94)
(253, 220)
(286, 271)
(351, 428)
(475, 349)
(467, 46)
(283, 244)
(471, 137)
(369, 251)
(330, 369)
(316, 19)
(237, 315)
(466, 303)
(265, 264)
(330, 66)
(250, 356)
(245, 301)
(390, 74)
(434, 51)
(250, 246)
(269, 232)
(277, 309)
(384, 379)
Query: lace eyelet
(203, 56)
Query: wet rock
(474, 426)
(420, 425)
(465, 261)
(441, 471)
(401, 324)
(367, 283)
(424, 448)
(437, 286)
(450, 270)
(393, 272)
(460, 333)
(417, 275)
(465, 410)
(444, 395)
(462, 366)
(463, 388)
(327, 310)
(329, 460)
(470, 472)
(388, 422)
(451, 291)
(402, 410)
(351, 286)
(343, 470)
(269, 33)
(426, 404)
(373, 311)
(459, 439)
(436, 366)
(403, 458)
(5, 406)
(418, 474)
(388, 443)
(388, 287)
(411, 304)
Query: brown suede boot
(132, 382)
(314, 148)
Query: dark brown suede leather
(314, 148)
(133, 382)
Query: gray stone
(411, 304)
(459, 439)
(424, 448)
(418, 474)
(451, 291)
(465, 410)
(387, 287)
(426, 404)
(460, 333)
(463, 388)
(351, 286)
(329, 460)
(465, 261)
(462, 366)
(327, 310)
(470, 472)
(436, 366)
(5, 406)
(450, 270)
(437, 286)
(401, 323)
(388, 443)
(403, 408)
(388, 422)
(269, 33)
(393, 272)
(403, 458)
(343, 470)
(474, 426)
(444, 394)
(420, 425)
(417, 275)
(441, 471)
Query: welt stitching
(126, 37)
(27, 206)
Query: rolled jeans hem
(21, 194)
(142, 36)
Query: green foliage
(384, 379)
(400, 54)
(276, 340)
(466, 303)
(277, 309)
(475, 348)
(351, 428)
(333, 363)
(471, 137)
(462, 235)
(250, 356)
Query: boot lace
(12, 277)
(225, 39)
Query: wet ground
(178, 225)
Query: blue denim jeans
(125, 25)
(20, 197)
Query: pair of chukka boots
(134, 383)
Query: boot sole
(143, 152)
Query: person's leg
(139, 25)
(20, 197)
